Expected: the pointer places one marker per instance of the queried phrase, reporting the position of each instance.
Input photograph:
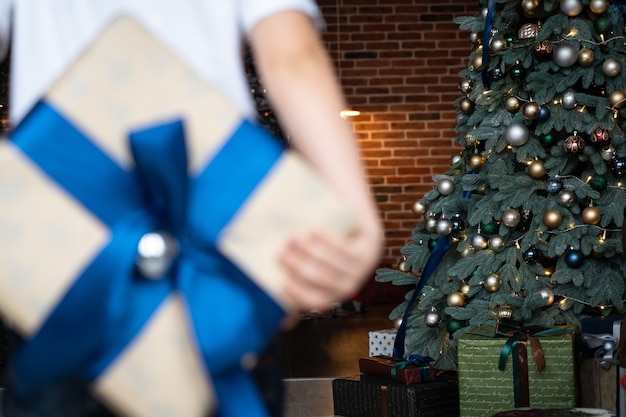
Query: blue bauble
(574, 258)
(531, 256)
(618, 166)
(554, 185)
(544, 114)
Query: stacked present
(392, 387)
(381, 342)
(600, 369)
(520, 368)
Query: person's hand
(325, 269)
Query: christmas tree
(266, 116)
(525, 227)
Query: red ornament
(600, 137)
(574, 144)
(543, 50)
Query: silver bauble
(516, 134)
(607, 153)
(566, 198)
(444, 227)
(430, 214)
(496, 243)
(155, 253)
(445, 186)
(611, 67)
(483, 13)
(528, 31)
(432, 318)
(397, 323)
(511, 217)
(466, 86)
(492, 282)
(455, 158)
(568, 99)
(431, 224)
(546, 295)
(479, 242)
(571, 7)
(565, 55)
(474, 37)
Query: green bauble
(490, 228)
(548, 140)
(453, 325)
(598, 182)
(603, 25)
(517, 72)
(432, 243)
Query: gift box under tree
(524, 368)
(365, 396)
(599, 368)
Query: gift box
(381, 342)
(365, 396)
(413, 370)
(600, 369)
(150, 204)
(521, 368)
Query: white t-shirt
(47, 35)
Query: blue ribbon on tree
(486, 75)
(434, 259)
(109, 303)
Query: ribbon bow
(605, 347)
(110, 302)
(416, 360)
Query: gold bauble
(402, 266)
(617, 99)
(476, 162)
(536, 169)
(531, 110)
(465, 287)
(512, 103)
(467, 251)
(585, 57)
(598, 6)
(553, 218)
(529, 7)
(504, 312)
(477, 62)
(492, 282)
(591, 215)
(419, 209)
(456, 299)
(466, 105)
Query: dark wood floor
(330, 346)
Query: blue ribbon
(108, 303)
(434, 259)
(486, 76)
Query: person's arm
(5, 27)
(303, 89)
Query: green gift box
(534, 367)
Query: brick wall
(399, 62)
